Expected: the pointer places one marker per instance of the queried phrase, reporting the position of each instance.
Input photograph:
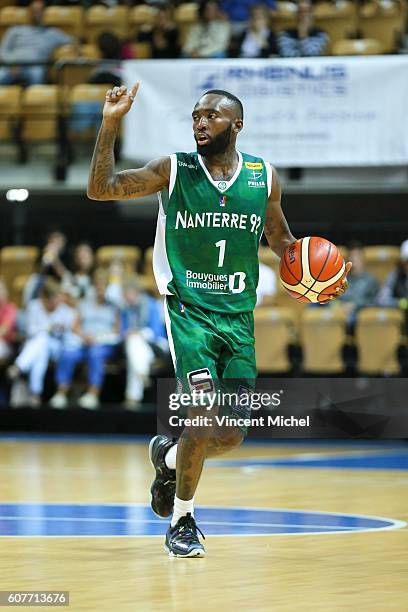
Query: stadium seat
(323, 334)
(10, 109)
(90, 51)
(65, 52)
(378, 335)
(129, 255)
(16, 261)
(268, 257)
(12, 15)
(148, 261)
(274, 332)
(383, 20)
(7, 3)
(363, 46)
(66, 18)
(86, 102)
(284, 16)
(39, 113)
(337, 19)
(17, 289)
(100, 19)
(185, 16)
(380, 260)
(138, 17)
(141, 50)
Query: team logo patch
(222, 185)
(254, 165)
(200, 381)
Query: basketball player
(206, 264)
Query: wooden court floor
(365, 571)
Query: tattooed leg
(194, 446)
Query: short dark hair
(229, 96)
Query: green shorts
(211, 345)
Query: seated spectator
(79, 282)
(210, 36)
(363, 287)
(257, 40)
(52, 263)
(239, 11)
(305, 40)
(109, 67)
(394, 292)
(29, 43)
(143, 332)
(87, 115)
(96, 337)
(47, 322)
(8, 316)
(266, 289)
(162, 35)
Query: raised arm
(106, 184)
(276, 228)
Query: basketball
(311, 268)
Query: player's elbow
(92, 195)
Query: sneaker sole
(197, 553)
(152, 464)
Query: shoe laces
(188, 527)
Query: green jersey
(208, 233)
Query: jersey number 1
(221, 244)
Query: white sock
(181, 508)
(170, 457)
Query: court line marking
(157, 521)
(395, 523)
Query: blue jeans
(30, 75)
(95, 356)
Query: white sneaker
(59, 400)
(89, 401)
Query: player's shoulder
(250, 159)
(186, 160)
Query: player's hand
(342, 288)
(118, 102)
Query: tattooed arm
(276, 228)
(106, 184)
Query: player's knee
(235, 438)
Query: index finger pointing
(134, 89)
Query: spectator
(210, 36)
(48, 320)
(363, 287)
(87, 115)
(8, 316)
(143, 331)
(239, 11)
(109, 68)
(305, 40)
(394, 292)
(162, 35)
(30, 43)
(257, 40)
(266, 289)
(79, 283)
(97, 336)
(52, 264)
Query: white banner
(330, 111)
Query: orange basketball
(311, 268)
